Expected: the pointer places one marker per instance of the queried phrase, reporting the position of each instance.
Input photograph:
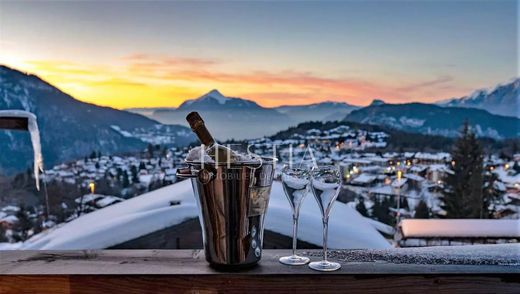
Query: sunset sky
(150, 54)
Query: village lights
(92, 187)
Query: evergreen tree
(516, 167)
(24, 224)
(93, 155)
(381, 210)
(490, 194)
(463, 197)
(403, 203)
(133, 172)
(3, 237)
(126, 181)
(150, 150)
(422, 210)
(361, 208)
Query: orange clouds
(144, 80)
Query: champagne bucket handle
(204, 175)
(186, 173)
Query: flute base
(324, 266)
(294, 260)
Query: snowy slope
(151, 212)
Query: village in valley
(385, 186)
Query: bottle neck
(199, 128)
(203, 134)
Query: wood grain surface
(186, 271)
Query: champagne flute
(295, 182)
(325, 185)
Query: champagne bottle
(217, 152)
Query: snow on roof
(506, 178)
(364, 179)
(417, 228)
(414, 177)
(385, 190)
(121, 222)
(9, 219)
(108, 200)
(152, 212)
(433, 156)
(87, 198)
(355, 160)
(398, 183)
(145, 179)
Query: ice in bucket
(232, 192)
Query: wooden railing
(180, 271)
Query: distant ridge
(435, 120)
(502, 100)
(239, 118)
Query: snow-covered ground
(153, 211)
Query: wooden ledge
(186, 270)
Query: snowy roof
(108, 200)
(398, 183)
(418, 228)
(506, 178)
(414, 177)
(364, 179)
(152, 212)
(9, 219)
(385, 190)
(120, 222)
(433, 156)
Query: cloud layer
(141, 80)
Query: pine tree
(126, 181)
(23, 225)
(516, 167)
(133, 172)
(463, 197)
(3, 237)
(490, 194)
(422, 210)
(150, 150)
(361, 208)
(381, 209)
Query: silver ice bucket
(232, 200)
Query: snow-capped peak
(215, 94)
(211, 95)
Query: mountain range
(432, 119)
(72, 129)
(226, 116)
(502, 100)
